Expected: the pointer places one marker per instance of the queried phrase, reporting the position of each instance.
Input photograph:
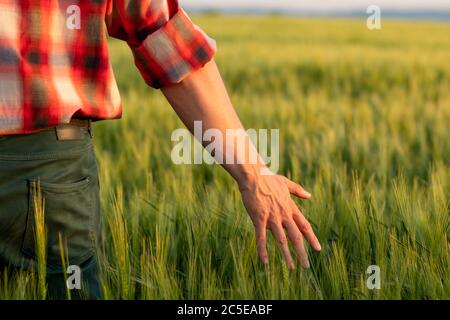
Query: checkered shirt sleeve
(166, 44)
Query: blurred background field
(364, 125)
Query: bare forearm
(203, 97)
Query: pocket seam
(62, 188)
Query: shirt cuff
(172, 52)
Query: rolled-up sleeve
(167, 46)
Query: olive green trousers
(66, 173)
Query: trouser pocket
(70, 215)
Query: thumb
(297, 190)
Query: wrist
(249, 177)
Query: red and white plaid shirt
(54, 60)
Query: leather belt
(83, 123)
(74, 130)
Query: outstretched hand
(268, 202)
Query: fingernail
(319, 247)
(306, 265)
(309, 195)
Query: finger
(305, 228)
(297, 190)
(261, 243)
(280, 236)
(296, 238)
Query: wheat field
(364, 120)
